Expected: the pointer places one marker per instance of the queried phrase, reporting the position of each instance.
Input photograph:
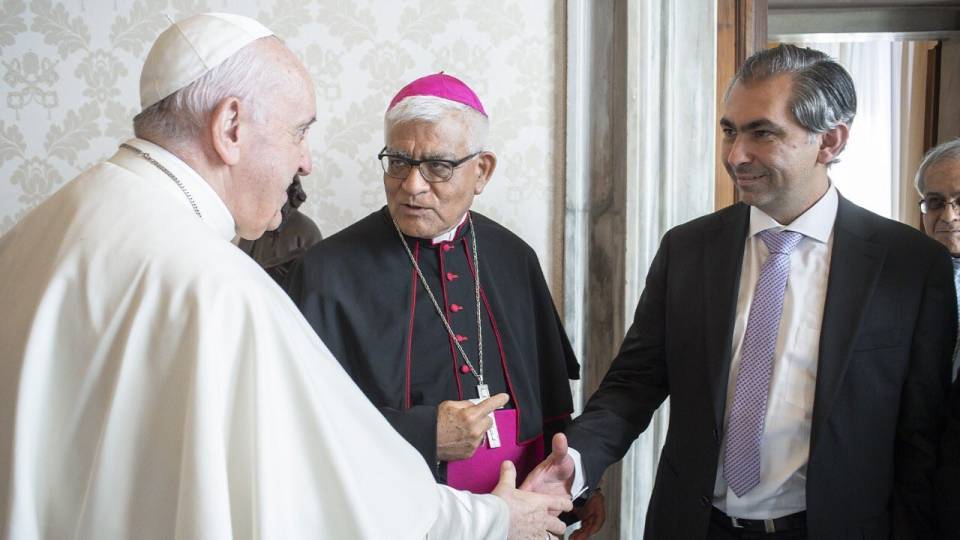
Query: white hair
(948, 151)
(246, 75)
(433, 109)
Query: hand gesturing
(554, 475)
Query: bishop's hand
(532, 515)
(554, 475)
(461, 426)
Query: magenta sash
(480, 473)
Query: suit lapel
(855, 266)
(723, 259)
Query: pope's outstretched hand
(532, 515)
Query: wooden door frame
(741, 31)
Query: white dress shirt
(785, 442)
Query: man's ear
(225, 130)
(832, 143)
(487, 163)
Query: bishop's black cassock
(360, 293)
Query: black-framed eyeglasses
(432, 170)
(936, 203)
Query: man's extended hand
(532, 515)
(461, 426)
(554, 475)
(591, 515)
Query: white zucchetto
(190, 48)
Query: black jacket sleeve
(635, 385)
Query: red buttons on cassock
(455, 307)
(464, 369)
(461, 338)
(447, 247)
(451, 276)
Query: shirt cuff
(579, 482)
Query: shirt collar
(212, 209)
(452, 233)
(816, 223)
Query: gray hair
(432, 109)
(823, 95)
(182, 115)
(948, 151)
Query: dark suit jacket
(885, 350)
(948, 477)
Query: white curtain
(670, 176)
(670, 93)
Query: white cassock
(155, 383)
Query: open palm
(554, 475)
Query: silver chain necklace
(166, 171)
(481, 388)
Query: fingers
(582, 533)
(556, 504)
(592, 525)
(508, 475)
(587, 528)
(559, 444)
(484, 423)
(490, 404)
(531, 514)
(593, 516)
(555, 526)
(455, 404)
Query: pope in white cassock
(155, 382)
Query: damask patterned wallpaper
(70, 72)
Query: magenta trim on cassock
(442, 86)
(480, 473)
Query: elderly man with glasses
(441, 315)
(938, 182)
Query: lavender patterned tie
(741, 462)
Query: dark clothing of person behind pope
(360, 293)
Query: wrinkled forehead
(446, 135)
(287, 65)
(289, 86)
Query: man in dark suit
(804, 342)
(948, 476)
(938, 183)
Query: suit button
(704, 500)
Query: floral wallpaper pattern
(70, 72)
